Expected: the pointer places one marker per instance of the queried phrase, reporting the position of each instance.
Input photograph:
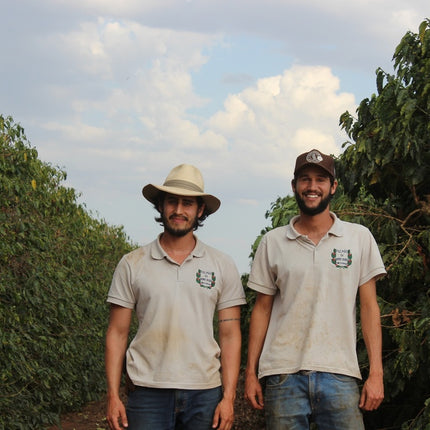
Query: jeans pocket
(342, 378)
(274, 381)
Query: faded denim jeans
(294, 401)
(172, 409)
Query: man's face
(180, 214)
(313, 190)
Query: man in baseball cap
(302, 337)
(175, 284)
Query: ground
(93, 416)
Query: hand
(224, 415)
(116, 414)
(253, 391)
(372, 393)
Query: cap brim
(151, 191)
(313, 165)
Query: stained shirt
(313, 320)
(174, 346)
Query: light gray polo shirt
(174, 346)
(313, 320)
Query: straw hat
(183, 180)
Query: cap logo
(314, 157)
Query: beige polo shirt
(174, 346)
(313, 320)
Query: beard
(178, 232)
(322, 206)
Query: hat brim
(151, 191)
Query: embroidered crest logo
(205, 279)
(341, 258)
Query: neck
(314, 226)
(177, 248)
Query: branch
(402, 223)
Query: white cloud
(268, 124)
(120, 92)
(146, 87)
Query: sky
(117, 93)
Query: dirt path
(93, 416)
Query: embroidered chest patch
(341, 258)
(205, 279)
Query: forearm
(116, 345)
(230, 363)
(114, 362)
(257, 331)
(370, 317)
(230, 340)
(372, 335)
(372, 393)
(255, 346)
(258, 326)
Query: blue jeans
(294, 401)
(171, 409)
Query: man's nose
(179, 207)
(313, 184)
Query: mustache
(178, 216)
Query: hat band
(178, 183)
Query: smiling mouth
(311, 196)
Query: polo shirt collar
(336, 229)
(158, 253)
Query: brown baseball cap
(315, 158)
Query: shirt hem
(176, 385)
(311, 368)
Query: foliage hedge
(384, 184)
(56, 263)
(385, 172)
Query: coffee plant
(56, 263)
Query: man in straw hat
(302, 333)
(175, 284)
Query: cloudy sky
(116, 93)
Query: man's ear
(293, 185)
(160, 206)
(201, 210)
(333, 187)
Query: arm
(230, 343)
(257, 333)
(116, 344)
(373, 389)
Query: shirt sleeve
(262, 278)
(372, 264)
(232, 293)
(121, 291)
